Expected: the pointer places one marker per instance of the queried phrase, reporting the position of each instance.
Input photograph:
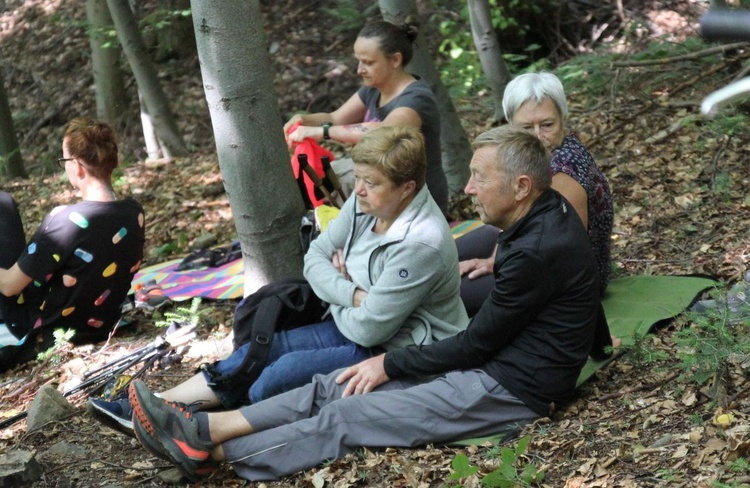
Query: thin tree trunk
(253, 156)
(145, 76)
(490, 54)
(453, 139)
(10, 153)
(153, 146)
(109, 86)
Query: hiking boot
(116, 414)
(169, 428)
(150, 296)
(155, 448)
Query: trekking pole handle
(319, 183)
(726, 25)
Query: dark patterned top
(82, 260)
(418, 97)
(573, 159)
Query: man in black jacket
(518, 360)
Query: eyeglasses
(61, 161)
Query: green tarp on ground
(633, 305)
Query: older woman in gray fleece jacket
(388, 267)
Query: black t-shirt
(418, 97)
(82, 260)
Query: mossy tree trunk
(11, 163)
(109, 86)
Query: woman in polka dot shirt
(77, 268)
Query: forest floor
(681, 187)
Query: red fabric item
(314, 152)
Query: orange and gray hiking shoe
(168, 430)
(150, 296)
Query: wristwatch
(326, 126)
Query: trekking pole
(121, 359)
(310, 172)
(105, 376)
(162, 348)
(332, 178)
(158, 348)
(150, 353)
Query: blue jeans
(296, 355)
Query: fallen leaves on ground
(682, 207)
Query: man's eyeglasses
(61, 161)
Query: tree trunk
(490, 54)
(109, 86)
(10, 153)
(145, 75)
(246, 120)
(453, 139)
(154, 148)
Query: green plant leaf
(461, 467)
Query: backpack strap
(264, 325)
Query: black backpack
(285, 304)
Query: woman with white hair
(537, 103)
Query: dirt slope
(682, 207)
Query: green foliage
(708, 342)
(727, 123)
(594, 73)
(161, 19)
(348, 16)
(462, 468)
(460, 68)
(190, 316)
(62, 337)
(740, 466)
(165, 249)
(507, 475)
(722, 185)
(504, 14)
(660, 49)
(666, 475)
(642, 352)
(106, 36)
(171, 247)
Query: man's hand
(476, 267)
(364, 377)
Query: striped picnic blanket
(223, 282)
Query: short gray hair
(518, 153)
(537, 87)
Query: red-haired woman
(76, 270)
